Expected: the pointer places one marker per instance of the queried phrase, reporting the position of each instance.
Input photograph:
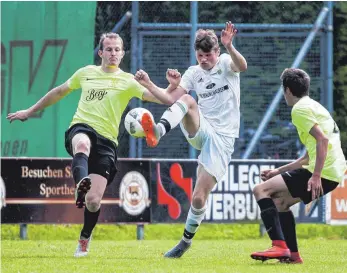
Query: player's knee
(199, 200)
(257, 191)
(82, 146)
(93, 202)
(281, 204)
(188, 100)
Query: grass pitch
(320, 255)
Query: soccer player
(315, 174)
(211, 125)
(92, 136)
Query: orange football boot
(279, 250)
(150, 130)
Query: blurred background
(44, 43)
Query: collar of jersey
(111, 73)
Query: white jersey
(218, 92)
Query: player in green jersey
(306, 179)
(92, 136)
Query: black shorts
(297, 182)
(103, 152)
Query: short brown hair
(297, 80)
(206, 40)
(110, 35)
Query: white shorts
(216, 150)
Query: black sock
(269, 215)
(287, 221)
(90, 220)
(188, 235)
(79, 166)
(166, 125)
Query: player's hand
(21, 115)
(314, 185)
(142, 77)
(267, 174)
(228, 34)
(173, 76)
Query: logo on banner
(134, 193)
(164, 198)
(339, 201)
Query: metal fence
(268, 48)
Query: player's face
(288, 96)
(207, 60)
(113, 52)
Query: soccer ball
(132, 122)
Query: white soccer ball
(132, 121)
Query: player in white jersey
(92, 135)
(211, 125)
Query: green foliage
(340, 70)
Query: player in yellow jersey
(315, 174)
(92, 136)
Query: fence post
(23, 231)
(140, 231)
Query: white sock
(172, 117)
(193, 222)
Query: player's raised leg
(169, 120)
(81, 149)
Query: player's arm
(52, 97)
(297, 164)
(165, 96)
(239, 63)
(322, 142)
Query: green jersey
(104, 98)
(305, 114)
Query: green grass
(320, 255)
(167, 232)
(216, 248)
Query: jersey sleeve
(136, 89)
(303, 118)
(187, 81)
(226, 61)
(74, 82)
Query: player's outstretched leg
(81, 190)
(178, 250)
(169, 120)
